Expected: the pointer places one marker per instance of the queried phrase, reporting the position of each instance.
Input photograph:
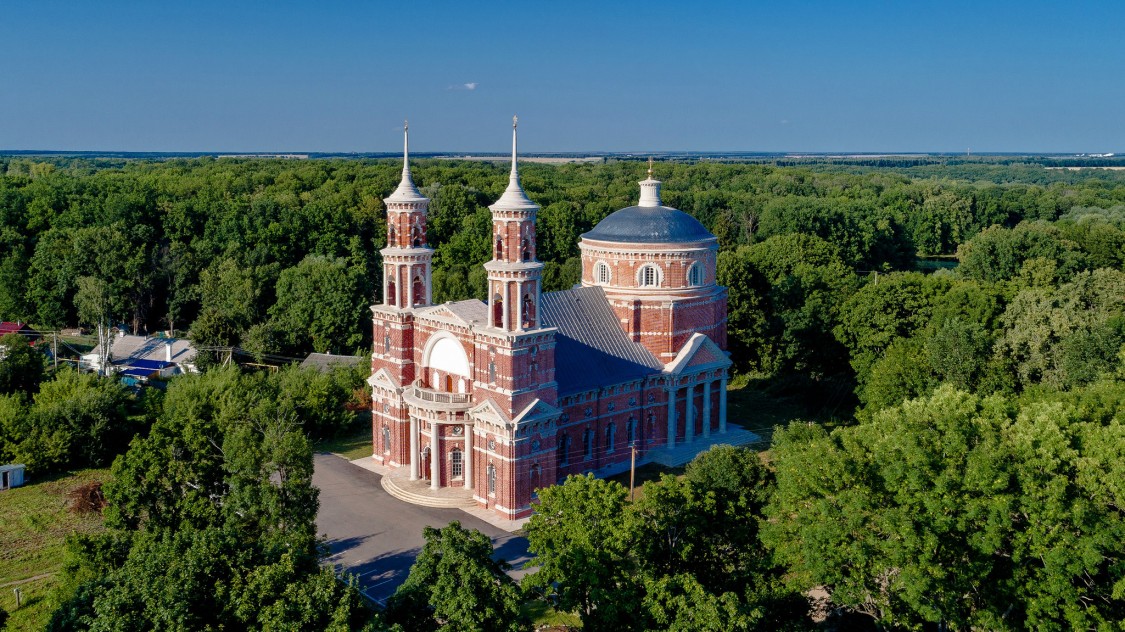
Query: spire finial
(515, 121)
(650, 167)
(405, 145)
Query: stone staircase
(683, 453)
(398, 484)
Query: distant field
(1081, 168)
(34, 523)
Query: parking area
(376, 537)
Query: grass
(350, 445)
(34, 524)
(542, 615)
(752, 406)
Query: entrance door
(425, 473)
(3, 480)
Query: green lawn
(352, 445)
(34, 524)
(754, 408)
(544, 617)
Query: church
(489, 402)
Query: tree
(457, 582)
(21, 366)
(583, 561)
(75, 420)
(959, 511)
(319, 306)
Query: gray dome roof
(649, 224)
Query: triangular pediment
(699, 353)
(489, 411)
(383, 379)
(538, 410)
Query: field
(34, 523)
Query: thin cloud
(472, 85)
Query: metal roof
(591, 349)
(649, 224)
(325, 361)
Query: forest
(960, 323)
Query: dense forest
(962, 324)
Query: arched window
(416, 236)
(419, 290)
(392, 293)
(631, 428)
(649, 276)
(525, 249)
(588, 444)
(563, 457)
(386, 344)
(456, 464)
(528, 311)
(602, 273)
(491, 371)
(491, 471)
(391, 235)
(695, 274)
(499, 253)
(497, 311)
(386, 440)
(536, 477)
(609, 432)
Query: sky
(783, 76)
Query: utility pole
(55, 348)
(632, 470)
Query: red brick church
(499, 399)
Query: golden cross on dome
(650, 167)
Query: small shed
(11, 476)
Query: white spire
(514, 197)
(406, 189)
(650, 189)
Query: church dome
(649, 224)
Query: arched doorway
(425, 470)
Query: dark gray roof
(649, 224)
(470, 310)
(325, 361)
(591, 349)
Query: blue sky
(583, 76)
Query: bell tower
(514, 274)
(407, 259)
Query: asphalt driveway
(375, 536)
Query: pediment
(538, 410)
(384, 380)
(490, 412)
(699, 353)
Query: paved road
(376, 537)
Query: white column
(410, 274)
(689, 415)
(519, 306)
(538, 293)
(671, 417)
(435, 456)
(468, 456)
(723, 405)
(414, 454)
(507, 306)
(491, 293)
(429, 284)
(707, 408)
